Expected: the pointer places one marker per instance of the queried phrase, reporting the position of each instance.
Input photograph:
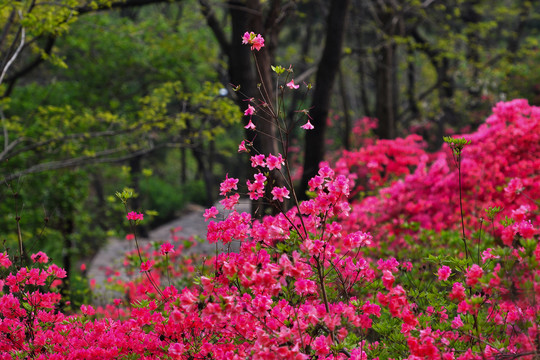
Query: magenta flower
(176, 349)
(166, 248)
(147, 265)
(256, 41)
(227, 185)
(135, 216)
(250, 125)
(242, 146)
(274, 162)
(4, 260)
(280, 193)
(308, 126)
(249, 111)
(474, 273)
(292, 85)
(258, 160)
(40, 257)
(444, 273)
(210, 213)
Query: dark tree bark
(385, 84)
(326, 73)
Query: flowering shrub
(308, 283)
(500, 170)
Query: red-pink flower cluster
(503, 155)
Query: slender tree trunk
(386, 102)
(326, 73)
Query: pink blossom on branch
(250, 125)
(274, 162)
(242, 147)
(249, 111)
(166, 248)
(256, 41)
(227, 185)
(308, 126)
(280, 193)
(135, 216)
(147, 265)
(444, 273)
(210, 213)
(291, 85)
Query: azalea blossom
(147, 265)
(279, 193)
(135, 216)
(444, 273)
(292, 85)
(274, 162)
(249, 111)
(210, 213)
(308, 126)
(242, 146)
(250, 125)
(166, 248)
(227, 185)
(256, 41)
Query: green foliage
(169, 199)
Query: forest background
(96, 96)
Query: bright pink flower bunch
(498, 167)
(304, 283)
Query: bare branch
(99, 158)
(15, 55)
(215, 26)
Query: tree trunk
(386, 86)
(326, 73)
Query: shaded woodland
(100, 95)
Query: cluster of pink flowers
(308, 283)
(132, 215)
(423, 188)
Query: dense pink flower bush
(309, 282)
(500, 168)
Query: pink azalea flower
(258, 160)
(308, 126)
(444, 273)
(130, 237)
(4, 260)
(210, 213)
(474, 273)
(457, 322)
(249, 111)
(135, 216)
(227, 185)
(291, 85)
(250, 125)
(40, 257)
(242, 146)
(166, 248)
(88, 310)
(274, 162)
(229, 202)
(147, 265)
(280, 193)
(256, 41)
(176, 349)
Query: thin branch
(215, 26)
(98, 158)
(15, 55)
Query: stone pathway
(112, 253)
